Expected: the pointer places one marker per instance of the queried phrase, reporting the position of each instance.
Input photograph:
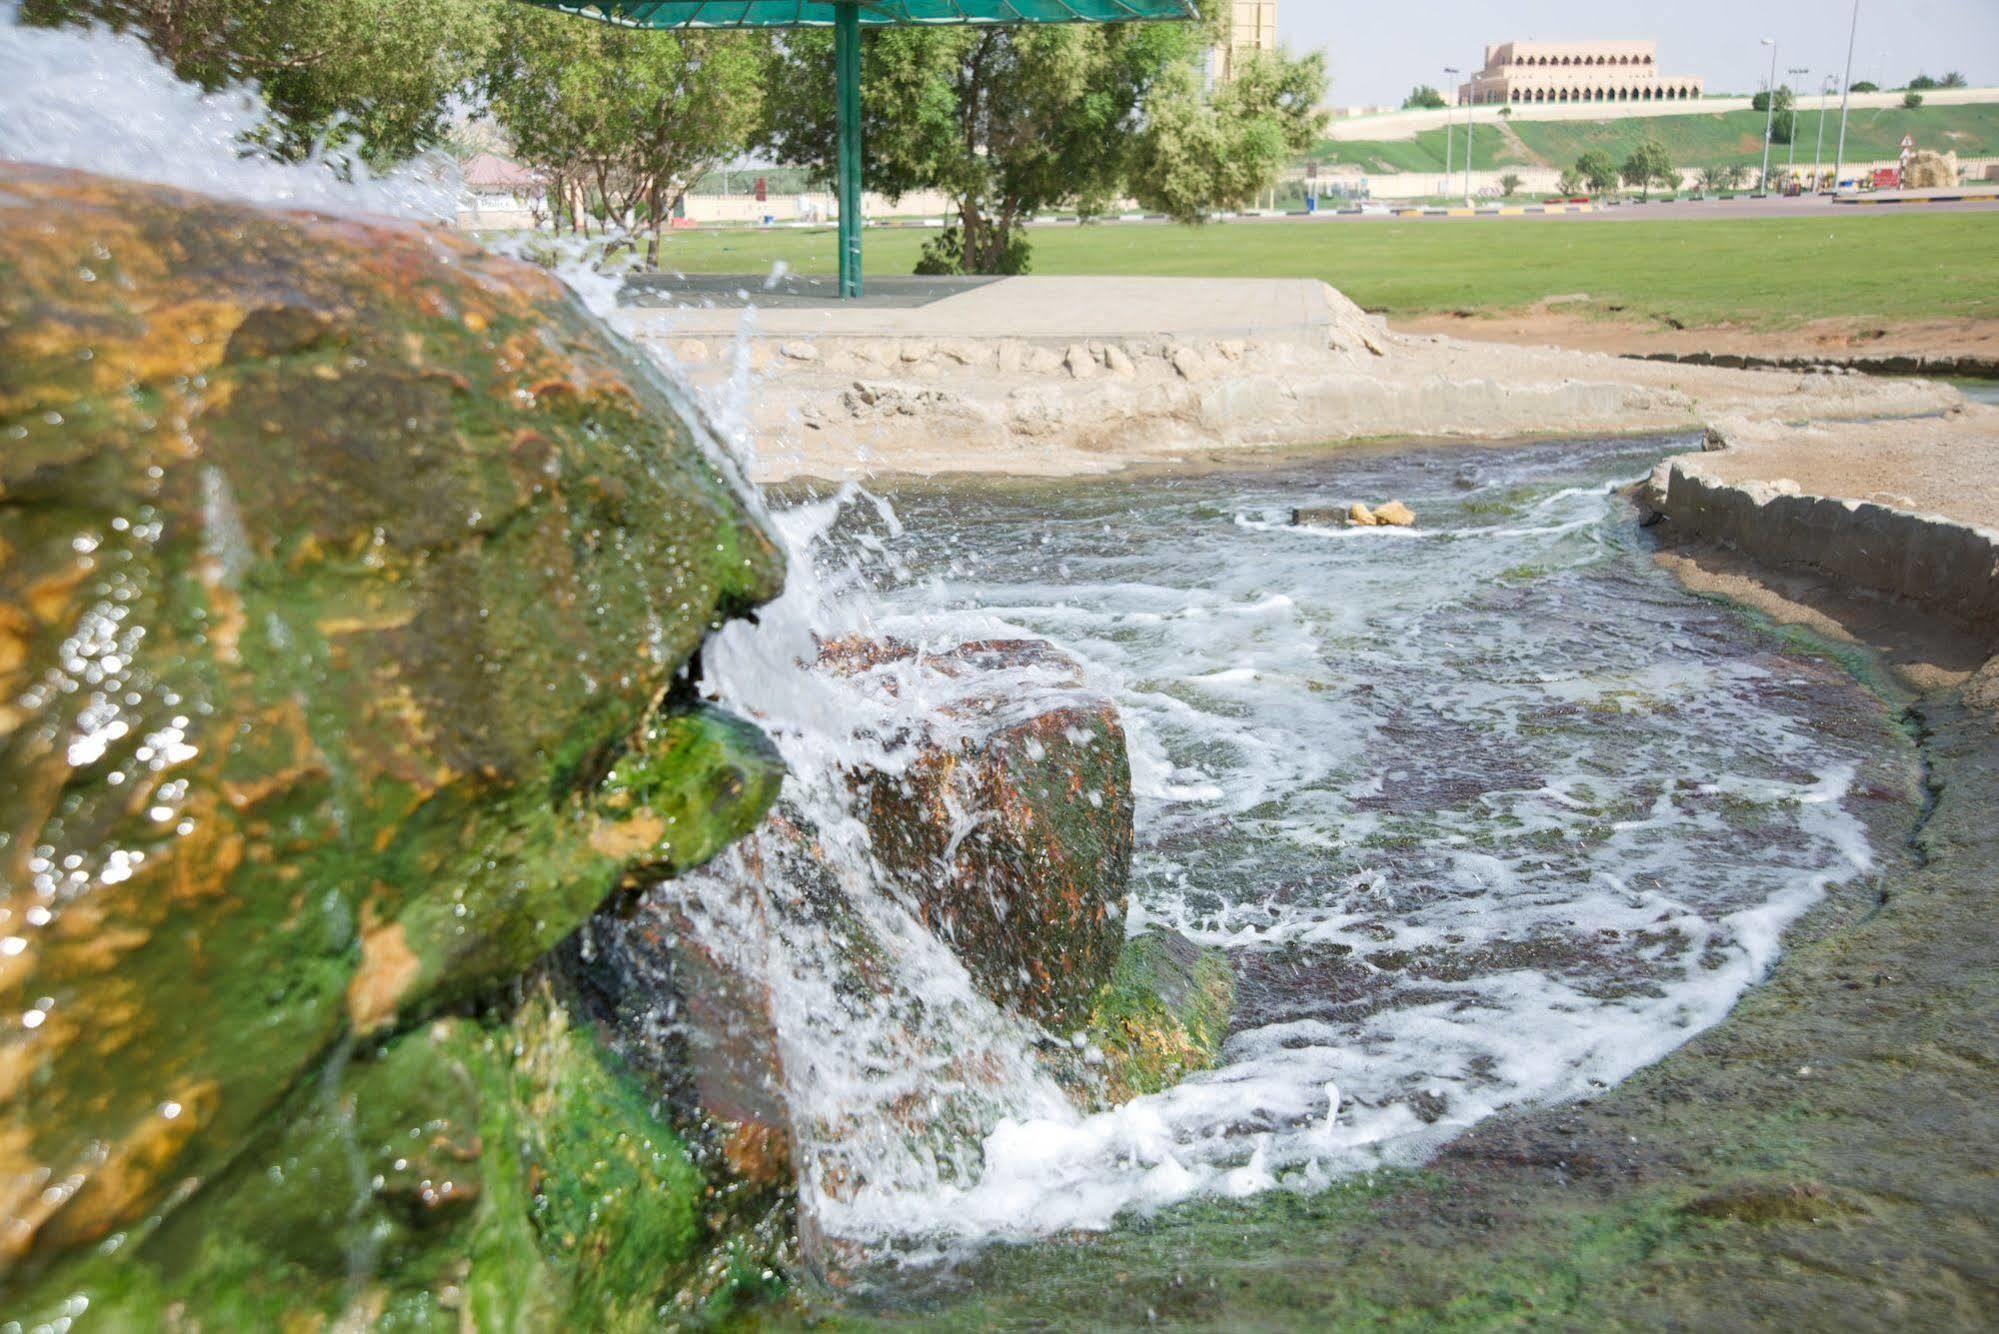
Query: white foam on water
(1569, 935)
(101, 102)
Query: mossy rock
(500, 1173)
(340, 565)
(1163, 1015)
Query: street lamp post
(1791, 159)
(1845, 95)
(1450, 124)
(1818, 153)
(1468, 153)
(1769, 114)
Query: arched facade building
(1520, 73)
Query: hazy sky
(1378, 52)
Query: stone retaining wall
(1948, 568)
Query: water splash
(99, 101)
(1487, 815)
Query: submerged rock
(347, 576)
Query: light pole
(1450, 124)
(1791, 160)
(1769, 115)
(1468, 154)
(1845, 95)
(1818, 153)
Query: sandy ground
(1553, 325)
(1942, 465)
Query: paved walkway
(1059, 310)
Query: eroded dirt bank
(840, 407)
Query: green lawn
(1871, 265)
(1694, 141)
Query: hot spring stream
(1487, 812)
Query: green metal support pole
(847, 77)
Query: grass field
(1694, 141)
(1885, 266)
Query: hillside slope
(1694, 141)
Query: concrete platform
(1052, 311)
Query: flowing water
(1484, 813)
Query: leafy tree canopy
(380, 73)
(1648, 165)
(1010, 121)
(1598, 171)
(622, 121)
(1198, 152)
(1866, 86)
(1423, 97)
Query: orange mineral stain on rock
(623, 840)
(388, 969)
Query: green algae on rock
(340, 564)
(1163, 1014)
(497, 1172)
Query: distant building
(1522, 72)
(1252, 27)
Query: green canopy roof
(821, 13)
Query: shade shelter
(847, 18)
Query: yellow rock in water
(1395, 514)
(1361, 516)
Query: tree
(378, 74)
(1952, 80)
(1922, 83)
(1865, 86)
(621, 121)
(1571, 184)
(1199, 152)
(1424, 98)
(1650, 165)
(1783, 121)
(1711, 180)
(1509, 184)
(1911, 100)
(1007, 121)
(1597, 171)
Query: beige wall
(1252, 27)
